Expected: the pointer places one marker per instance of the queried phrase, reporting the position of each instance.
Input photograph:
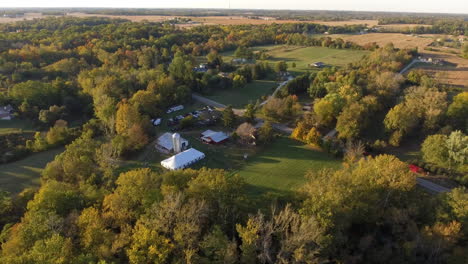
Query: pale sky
(435, 6)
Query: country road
(409, 66)
(430, 186)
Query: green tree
(434, 150)
(265, 133)
(458, 110)
(229, 118)
(238, 81)
(281, 66)
(249, 113)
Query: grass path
(16, 176)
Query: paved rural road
(430, 186)
(409, 66)
(276, 90)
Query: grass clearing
(16, 126)
(16, 176)
(281, 166)
(303, 56)
(250, 93)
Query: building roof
(214, 136)
(183, 159)
(165, 141)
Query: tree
(238, 81)
(265, 133)
(281, 66)
(245, 132)
(249, 113)
(181, 68)
(229, 118)
(434, 150)
(457, 148)
(353, 120)
(127, 115)
(214, 59)
(300, 131)
(457, 111)
(328, 108)
(59, 133)
(401, 119)
(313, 137)
(53, 114)
(281, 109)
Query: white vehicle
(175, 108)
(157, 122)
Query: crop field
(282, 165)
(16, 176)
(455, 75)
(399, 40)
(250, 93)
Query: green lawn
(303, 56)
(281, 167)
(16, 176)
(15, 126)
(250, 93)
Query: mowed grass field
(281, 167)
(15, 126)
(303, 56)
(16, 176)
(250, 93)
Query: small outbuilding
(214, 137)
(183, 159)
(6, 112)
(318, 64)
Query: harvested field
(27, 16)
(456, 75)
(399, 40)
(402, 26)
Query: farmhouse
(213, 137)
(171, 143)
(183, 159)
(6, 112)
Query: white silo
(176, 143)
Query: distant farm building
(214, 137)
(183, 159)
(6, 112)
(171, 143)
(318, 64)
(203, 67)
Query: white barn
(183, 159)
(166, 142)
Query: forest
(92, 85)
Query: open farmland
(456, 74)
(399, 40)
